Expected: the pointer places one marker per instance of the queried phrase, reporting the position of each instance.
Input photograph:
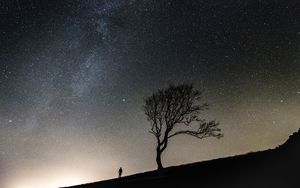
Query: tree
(175, 111)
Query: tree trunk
(158, 159)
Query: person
(120, 172)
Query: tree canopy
(175, 111)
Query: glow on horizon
(63, 182)
(53, 179)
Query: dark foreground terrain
(274, 168)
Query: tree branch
(206, 129)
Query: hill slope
(274, 168)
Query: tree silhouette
(174, 111)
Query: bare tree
(174, 111)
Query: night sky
(74, 74)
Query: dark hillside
(279, 167)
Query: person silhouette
(120, 172)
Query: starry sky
(74, 74)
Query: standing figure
(120, 172)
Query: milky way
(73, 76)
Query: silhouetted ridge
(293, 139)
(274, 168)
